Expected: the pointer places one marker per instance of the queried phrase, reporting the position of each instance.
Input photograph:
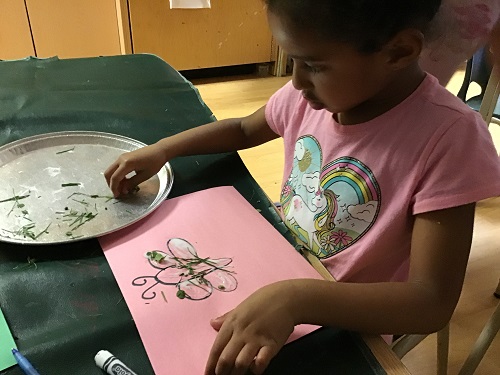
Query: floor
(241, 96)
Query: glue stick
(112, 365)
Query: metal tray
(37, 167)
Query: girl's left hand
(253, 333)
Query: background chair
(407, 342)
(480, 70)
(484, 340)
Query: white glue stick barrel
(112, 365)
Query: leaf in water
(195, 290)
(222, 280)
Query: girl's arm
(440, 248)
(221, 136)
(260, 325)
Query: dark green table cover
(68, 307)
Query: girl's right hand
(145, 162)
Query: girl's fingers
(263, 358)
(217, 322)
(129, 184)
(109, 172)
(244, 359)
(227, 358)
(222, 339)
(116, 179)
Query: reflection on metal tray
(53, 188)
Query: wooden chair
(490, 98)
(484, 340)
(407, 342)
(479, 71)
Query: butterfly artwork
(180, 267)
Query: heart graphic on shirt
(328, 207)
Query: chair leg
(406, 343)
(482, 344)
(443, 342)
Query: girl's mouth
(314, 103)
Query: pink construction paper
(221, 225)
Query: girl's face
(333, 75)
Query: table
(68, 307)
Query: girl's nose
(300, 79)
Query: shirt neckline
(379, 120)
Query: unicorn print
(328, 207)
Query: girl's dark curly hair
(365, 24)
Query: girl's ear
(404, 49)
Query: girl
(382, 169)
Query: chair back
(478, 70)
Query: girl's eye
(315, 69)
(312, 68)
(308, 67)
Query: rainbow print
(357, 175)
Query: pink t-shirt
(351, 192)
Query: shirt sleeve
(280, 108)
(462, 167)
